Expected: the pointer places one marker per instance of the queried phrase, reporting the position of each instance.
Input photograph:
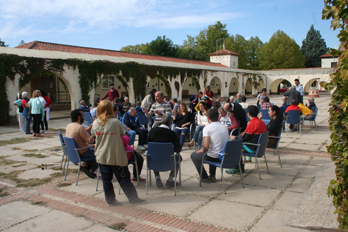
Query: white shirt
(300, 89)
(202, 119)
(218, 134)
(244, 105)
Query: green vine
(167, 86)
(198, 86)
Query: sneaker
(206, 180)
(139, 147)
(171, 183)
(212, 178)
(159, 183)
(140, 179)
(46, 132)
(233, 171)
(114, 203)
(88, 172)
(42, 132)
(29, 133)
(138, 202)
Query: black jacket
(293, 94)
(160, 134)
(239, 114)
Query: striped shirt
(164, 108)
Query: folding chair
(74, 156)
(260, 150)
(276, 146)
(312, 118)
(230, 159)
(64, 156)
(160, 157)
(88, 117)
(293, 117)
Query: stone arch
(189, 87)
(308, 84)
(215, 85)
(275, 85)
(261, 85)
(234, 86)
(248, 87)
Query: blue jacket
(131, 122)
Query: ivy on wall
(90, 71)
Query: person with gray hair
(25, 114)
(292, 93)
(159, 109)
(238, 99)
(21, 119)
(130, 119)
(163, 134)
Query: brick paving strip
(136, 219)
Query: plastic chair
(293, 117)
(74, 156)
(265, 114)
(88, 117)
(276, 146)
(260, 151)
(64, 157)
(142, 119)
(160, 157)
(312, 118)
(230, 159)
(246, 115)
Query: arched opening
(311, 84)
(190, 87)
(260, 86)
(234, 86)
(279, 86)
(215, 85)
(248, 87)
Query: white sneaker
(139, 147)
(46, 132)
(42, 132)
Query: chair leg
(257, 165)
(200, 176)
(136, 168)
(147, 179)
(180, 174)
(222, 170)
(241, 176)
(223, 181)
(96, 188)
(174, 176)
(78, 174)
(66, 170)
(280, 162)
(316, 126)
(266, 163)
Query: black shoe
(171, 183)
(212, 178)
(206, 180)
(294, 129)
(138, 202)
(159, 183)
(28, 133)
(114, 203)
(89, 173)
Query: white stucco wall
(227, 60)
(326, 62)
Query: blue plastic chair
(276, 146)
(265, 114)
(293, 117)
(246, 115)
(312, 118)
(142, 119)
(160, 157)
(88, 117)
(230, 159)
(260, 150)
(64, 156)
(74, 156)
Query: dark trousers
(142, 136)
(44, 122)
(36, 123)
(123, 177)
(197, 161)
(178, 161)
(27, 124)
(140, 161)
(92, 164)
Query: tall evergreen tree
(162, 46)
(313, 46)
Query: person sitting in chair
(130, 119)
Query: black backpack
(20, 109)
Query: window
(212, 83)
(107, 80)
(333, 64)
(314, 84)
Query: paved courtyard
(291, 198)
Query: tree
(162, 46)
(253, 61)
(191, 50)
(21, 43)
(313, 46)
(2, 44)
(281, 52)
(138, 48)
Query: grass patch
(19, 165)
(118, 226)
(30, 150)
(39, 203)
(17, 140)
(16, 148)
(56, 174)
(3, 194)
(24, 183)
(33, 155)
(4, 161)
(63, 184)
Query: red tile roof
(38, 45)
(223, 52)
(327, 55)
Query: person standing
(208, 93)
(148, 100)
(111, 155)
(21, 119)
(46, 110)
(111, 94)
(293, 94)
(299, 87)
(37, 111)
(26, 113)
(261, 97)
(158, 109)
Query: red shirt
(292, 107)
(256, 126)
(211, 95)
(112, 94)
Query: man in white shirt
(215, 137)
(299, 87)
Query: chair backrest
(62, 141)
(279, 135)
(88, 117)
(233, 153)
(263, 139)
(70, 146)
(143, 120)
(265, 114)
(294, 117)
(246, 115)
(160, 156)
(315, 114)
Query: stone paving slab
(268, 180)
(37, 173)
(8, 169)
(288, 201)
(300, 185)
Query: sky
(112, 24)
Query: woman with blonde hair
(37, 111)
(111, 155)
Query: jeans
(36, 123)
(182, 133)
(27, 124)
(140, 161)
(44, 122)
(123, 177)
(21, 122)
(197, 161)
(131, 134)
(142, 136)
(198, 135)
(90, 163)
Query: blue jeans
(182, 134)
(27, 124)
(198, 135)
(131, 134)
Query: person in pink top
(131, 158)
(112, 93)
